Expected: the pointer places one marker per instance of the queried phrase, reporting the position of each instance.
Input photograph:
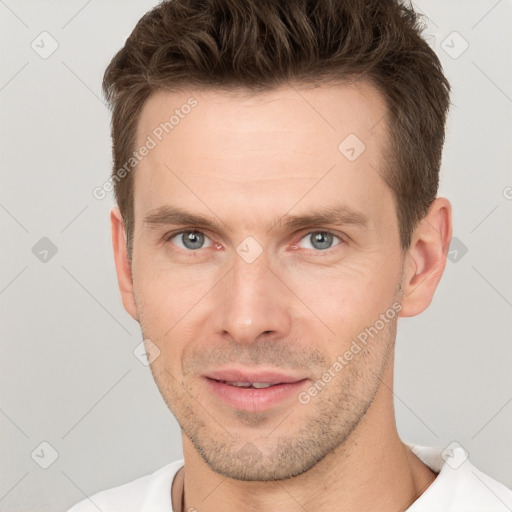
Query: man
(276, 167)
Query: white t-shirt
(459, 487)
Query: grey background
(68, 374)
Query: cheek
(160, 303)
(174, 305)
(350, 295)
(174, 289)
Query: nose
(252, 302)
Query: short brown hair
(261, 44)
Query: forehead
(255, 121)
(261, 149)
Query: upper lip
(260, 376)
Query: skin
(246, 162)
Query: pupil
(321, 240)
(193, 240)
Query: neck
(371, 471)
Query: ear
(425, 259)
(123, 269)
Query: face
(263, 249)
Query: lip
(251, 399)
(239, 375)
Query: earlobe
(123, 269)
(425, 259)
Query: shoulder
(148, 493)
(459, 485)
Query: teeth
(240, 384)
(257, 385)
(260, 385)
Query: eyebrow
(340, 215)
(171, 215)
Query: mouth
(253, 391)
(254, 385)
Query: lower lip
(252, 399)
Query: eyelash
(342, 239)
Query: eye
(190, 240)
(319, 240)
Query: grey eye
(191, 240)
(319, 240)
